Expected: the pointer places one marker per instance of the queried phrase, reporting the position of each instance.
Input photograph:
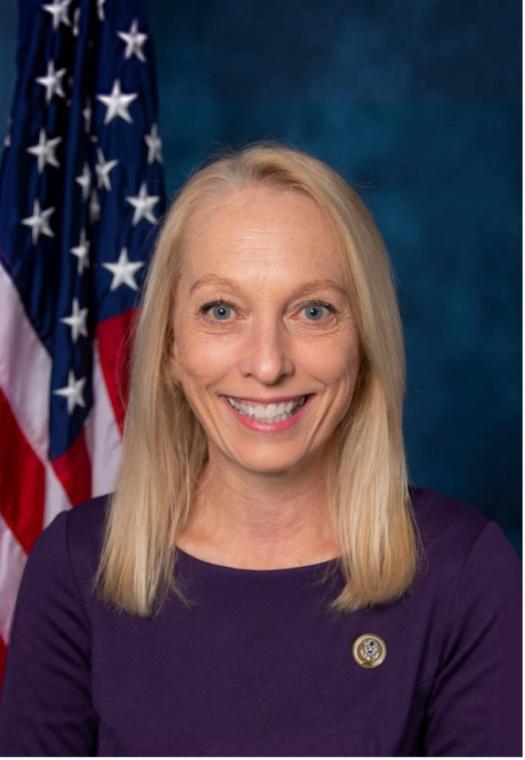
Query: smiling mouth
(268, 413)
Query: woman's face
(246, 326)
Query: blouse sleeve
(46, 706)
(474, 706)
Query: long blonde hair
(164, 447)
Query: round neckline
(205, 564)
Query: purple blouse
(259, 667)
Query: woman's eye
(315, 307)
(219, 306)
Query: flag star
(124, 271)
(103, 169)
(86, 113)
(45, 150)
(84, 180)
(117, 103)
(154, 144)
(52, 81)
(100, 9)
(81, 251)
(58, 9)
(39, 222)
(143, 205)
(77, 321)
(134, 41)
(94, 207)
(76, 22)
(72, 392)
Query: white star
(103, 169)
(94, 207)
(81, 251)
(76, 22)
(86, 113)
(58, 9)
(100, 9)
(72, 391)
(77, 321)
(134, 41)
(84, 180)
(124, 271)
(52, 81)
(45, 150)
(143, 205)
(117, 103)
(154, 144)
(39, 222)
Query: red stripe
(114, 336)
(73, 469)
(22, 480)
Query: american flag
(81, 190)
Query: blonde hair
(164, 447)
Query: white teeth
(268, 412)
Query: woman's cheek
(206, 360)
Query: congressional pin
(369, 650)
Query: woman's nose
(267, 352)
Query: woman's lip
(268, 427)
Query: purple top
(260, 667)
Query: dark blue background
(418, 104)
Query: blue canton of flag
(81, 191)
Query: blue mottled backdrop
(418, 104)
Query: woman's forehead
(261, 203)
(262, 228)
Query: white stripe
(56, 497)
(103, 438)
(12, 563)
(25, 369)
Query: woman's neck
(259, 522)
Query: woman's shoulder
(85, 534)
(439, 515)
(455, 534)
(86, 520)
(70, 542)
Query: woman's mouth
(268, 417)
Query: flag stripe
(25, 368)
(103, 438)
(112, 332)
(22, 480)
(56, 498)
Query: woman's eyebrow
(304, 287)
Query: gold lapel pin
(369, 650)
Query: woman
(263, 580)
